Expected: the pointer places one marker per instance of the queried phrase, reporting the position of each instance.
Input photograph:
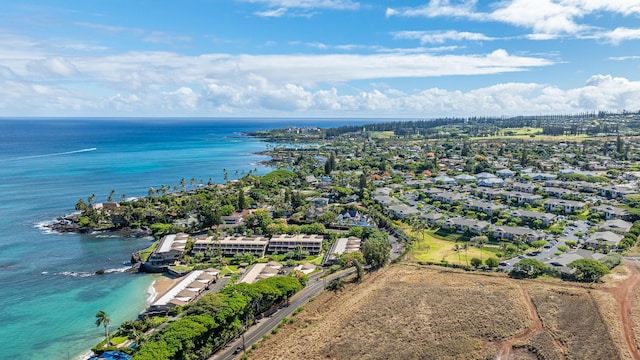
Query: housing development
(550, 197)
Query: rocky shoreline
(69, 224)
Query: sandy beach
(160, 286)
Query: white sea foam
(151, 292)
(81, 274)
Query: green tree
(103, 319)
(588, 270)
(457, 248)
(539, 244)
(480, 241)
(529, 268)
(336, 285)
(492, 262)
(242, 201)
(359, 271)
(475, 262)
(376, 250)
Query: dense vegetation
(211, 321)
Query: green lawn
(433, 246)
(144, 254)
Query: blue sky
(318, 58)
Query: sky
(318, 58)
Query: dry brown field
(407, 311)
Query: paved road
(265, 325)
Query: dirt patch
(625, 294)
(573, 319)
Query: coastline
(159, 286)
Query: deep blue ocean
(48, 295)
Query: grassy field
(432, 247)
(425, 312)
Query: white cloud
(620, 34)
(183, 98)
(52, 67)
(275, 13)
(624, 58)
(547, 18)
(256, 94)
(439, 37)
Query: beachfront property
(168, 251)
(183, 292)
(231, 245)
(285, 243)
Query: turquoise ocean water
(48, 294)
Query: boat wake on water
(82, 274)
(49, 155)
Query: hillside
(415, 312)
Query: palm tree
(465, 247)
(103, 319)
(457, 248)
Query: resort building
(168, 250)
(231, 245)
(285, 243)
(183, 292)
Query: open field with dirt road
(416, 312)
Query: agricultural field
(419, 312)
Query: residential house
(402, 211)
(530, 216)
(486, 207)
(566, 206)
(616, 225)
(460, 224)
(491, 182)
(557, 192)
(235, 218)
(616, 191)
(523, 187)
(561, 262)
(488, 193)
(354, 218)
(505, 173)
(444, 179)
(449, 197)
(510, 233)
(520, 197)
(465, 178)
(431, 217)
(603, 239)
(610, 211)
